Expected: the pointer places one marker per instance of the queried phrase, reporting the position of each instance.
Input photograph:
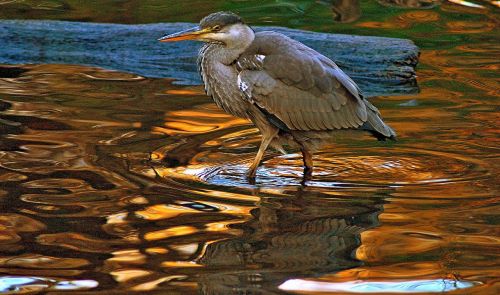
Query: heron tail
(375, 125)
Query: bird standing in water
(293, 94)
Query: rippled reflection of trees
(410, 3)
(346, 11)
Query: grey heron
(292, 94)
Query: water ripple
(115, 182)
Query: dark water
(116, 184)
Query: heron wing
(301, 87)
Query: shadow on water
(11, 72)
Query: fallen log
(381, 66)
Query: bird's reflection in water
(290, 237)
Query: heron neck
(234, 47)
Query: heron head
(220, 27)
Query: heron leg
(266, 140)
(308, 163)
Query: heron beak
(189, 34)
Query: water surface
(112, 183)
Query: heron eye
(216, 28)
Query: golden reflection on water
(130, 184)
(204, 119)
(178, 221)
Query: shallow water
(112, 183)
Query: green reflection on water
(423, 27)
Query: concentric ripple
(381, 166)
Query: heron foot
(266, 140)
(252, 172)
(251, 179)
(308, 164)
(307, 176)
(308, 172)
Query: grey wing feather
(301, 87)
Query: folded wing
(301, 87)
